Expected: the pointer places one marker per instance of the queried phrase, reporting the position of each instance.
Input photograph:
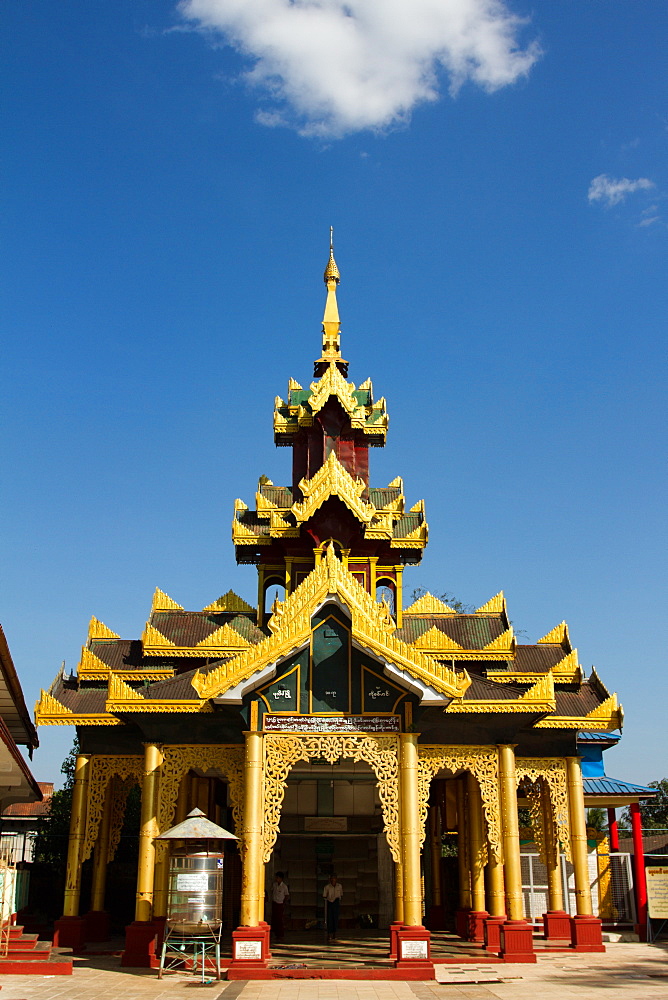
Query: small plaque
(323, 824)
(192, 882)
(414, 949)
(331, 723)
(248, 949)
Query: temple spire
(331, 324)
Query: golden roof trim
(607, 716)
(495, 605)
(51, 712)
(435, 639)
(427, 604)
(332, 479)
(152, 639)
(231, 602)
(291, 628)
(123, 698)
(505, 641)
(557, 635)
(98, 630)
(225, 637)
(91, 667)
(163, 602)
(539, 698)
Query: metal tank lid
(196, 827)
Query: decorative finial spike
(331, 271)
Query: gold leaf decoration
(163, 602)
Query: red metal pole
(639, 877)
(613, 829)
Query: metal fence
(610, 880)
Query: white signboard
(192, 882)
(248, 949)
(414, 949)
(657, 891)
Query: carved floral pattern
(282, 751)
(482, 762)
(552, 771)
(102, 769)
(178, 760)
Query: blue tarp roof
(615, 786)
(599, 737)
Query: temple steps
(29, 956)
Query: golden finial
(331, 325)
(331, 271)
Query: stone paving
(624, 972)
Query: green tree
(597, 819)
(53, 832)
(653, 812)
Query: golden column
(462, 848)
(77, 833)
(148, 829)
(511, 832)
(101, 851)
(410, 830)
(496, 893)
(576, 810)
(252, 872)
(476, 835)
(555, 892)
(399, 892)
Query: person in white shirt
(332, 894)
(280, 894)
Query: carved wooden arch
(283, 750)
(547, 776)
(103, 768)
(178, 760)
(482, 762)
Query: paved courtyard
(624, 972)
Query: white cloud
(611, 190)
(331, 67)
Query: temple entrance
(331, 823)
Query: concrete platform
(625, 972)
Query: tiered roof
(186, 660)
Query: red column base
(476, 925)
(97, 925)
(556, 925)
(586, 934)
(70, 932)
(267, 940)
(436, 918)
(250, 949)
(462, 921)
(517, 941)
(492, 933)
(140, 945)
(414, 950)
(394, 946)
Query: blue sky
(496, 175)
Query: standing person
(332, 894)
(280, 894)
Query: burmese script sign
(331, 723)
(657, 891)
